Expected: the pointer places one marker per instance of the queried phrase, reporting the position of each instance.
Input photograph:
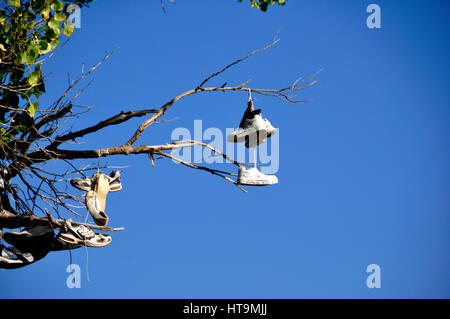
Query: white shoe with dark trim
(12, 258)
(248, 130)
(82, 235)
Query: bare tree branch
(117, 119)
(44, 142)
(275, 41)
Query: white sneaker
(115, 183)
(270, 130)
(252, 176)
(253, 129)
(85, 184)
(12, 258)
(82, 235)
(249, 129)
(260, 136)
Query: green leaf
(53, 24)
(8, 38)
(32, 107)
(14, 3)
(54, 43)
(32, 54)
(44, 47)
(45, 13)
(33, 78)
(57, 5)
(50, 34)
(67, 27)
(29, 16)
(34, 91)
(2, 17)
(60, 16)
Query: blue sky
(364, 170)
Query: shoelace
(84, 232)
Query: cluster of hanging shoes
(34, 243)
(253, 130)
(97, 188)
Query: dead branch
(44, 142)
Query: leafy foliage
(263, 4)
(29, 30)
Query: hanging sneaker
(253, 129)
(95, 208)
(82, 235)
(115, 183)
(30, 239)
(84, 184)
(260, 136)
(12, 257)
(253, 177)
(250, 125)
(96, 199)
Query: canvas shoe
(270, 130)
(260, 136)
(12, 258)
(30, 239)
(82, 235)
(253, 177)
(253, 129)
(252, 123)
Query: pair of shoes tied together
(97, 188)
(253, 130)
